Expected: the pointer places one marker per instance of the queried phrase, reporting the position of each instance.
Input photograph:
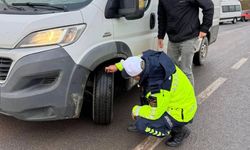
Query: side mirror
(132, 9)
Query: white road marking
(239, 64)
(152, 142)
(149, 143)
(210, 89)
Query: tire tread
(103, 98)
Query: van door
(138, 34)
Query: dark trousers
(160, 127)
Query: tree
(245, 4)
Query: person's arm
(207, 7)
(119, 65)
(162, 20)
(114, 68)
(153, 112)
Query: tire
(243, 19)
(234, 21)
(201, 55)
(103, 92)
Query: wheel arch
(105, 53)
(98, 58)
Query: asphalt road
(222, 121)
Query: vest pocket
(176, 113)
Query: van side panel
(137, 34)
(214, 30)
(213, 34)
(99, 31)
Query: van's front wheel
(234, 21)
(103, 92)
(201, 55)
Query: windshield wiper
(11, 6)
(40, 5)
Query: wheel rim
(203, 51)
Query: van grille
(5, 64)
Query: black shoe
(132, 127)
(178, 135)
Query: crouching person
(171, 102)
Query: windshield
(69, 4)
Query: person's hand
(202, 34)
(111, 69)
(160, 43)
(133, 116)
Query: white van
(230, 11)
(53, 53)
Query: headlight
(61, 36)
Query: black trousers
(160, 128)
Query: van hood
(13, 28)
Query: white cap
(132, 66)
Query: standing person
(180, 20)
(169, 93)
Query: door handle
(152, 21)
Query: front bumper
(43, 86)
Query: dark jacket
(180, 18)
(157, 72)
